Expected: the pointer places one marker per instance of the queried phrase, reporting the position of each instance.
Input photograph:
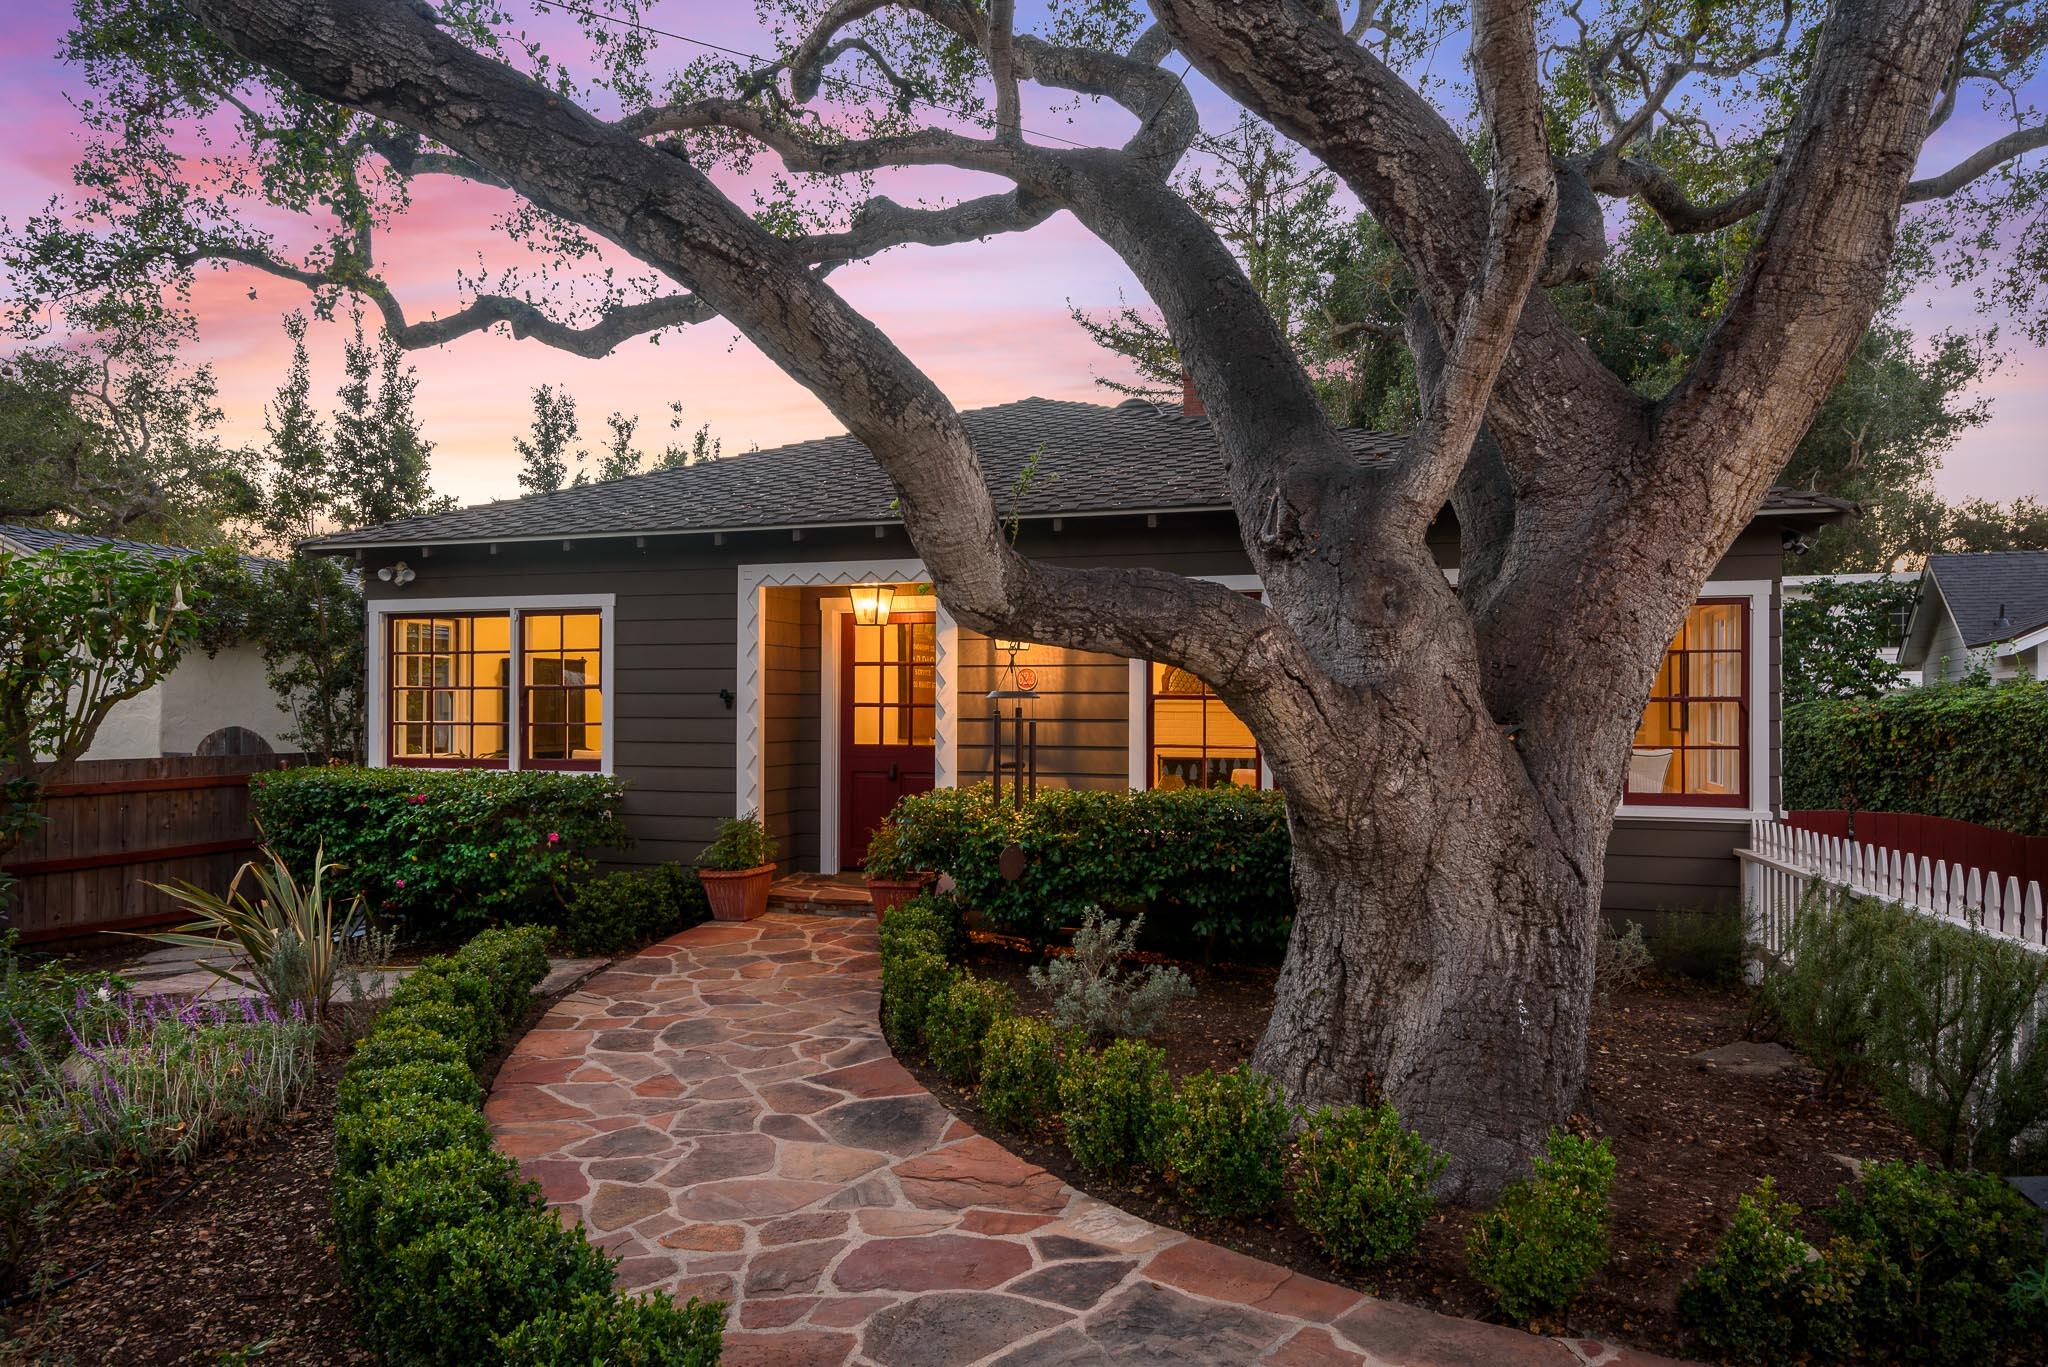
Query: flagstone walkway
(722, 1113)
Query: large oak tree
(1452, 759)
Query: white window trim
(1758, 592)
(378, 704)
(832, 618)
(1138, 726)
(750, 706)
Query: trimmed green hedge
(1970, 751)
(444, 849)
(631, 907)
(1208, 865)
(449, 1253)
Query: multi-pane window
(1691, 748)
(1195, 740)
(561, 706)
(450, 694)
(450, 689)
(895, 681)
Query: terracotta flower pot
(737, 894)
(889, 893)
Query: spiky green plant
(288, 933)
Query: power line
(891, 93)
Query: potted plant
(892, 878)
(737, 867)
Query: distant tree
(377, 457)
(620, 457)
(699, 447)
(113, 435)
(548, 455)
(1833, 634)
(300, 494)
(1980, 525)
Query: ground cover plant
(126, 1085)
(1938, 1017)
(451, 1255)
(443, 851)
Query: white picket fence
(1783, 862)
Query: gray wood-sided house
(755, 633)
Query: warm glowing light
(1013, 647)
(871, 604)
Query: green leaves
(80, 631)
(1969, 751)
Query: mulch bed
(1688, 1140)
(228, 1260)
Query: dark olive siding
(676, 648)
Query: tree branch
(1504, 64)
(1980, 163)
(380, 56)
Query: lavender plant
(1091, 991)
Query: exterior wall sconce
(1013, 648)
(871, 604)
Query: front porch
(820, 894)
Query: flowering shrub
(449, 1253)
(444, 849)
(1211, 865)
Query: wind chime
(1015, 738)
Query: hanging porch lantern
(871, 603)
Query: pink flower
(401, 882)
(417, 798)
(554, 837)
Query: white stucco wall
(202, 695)
(131, 729)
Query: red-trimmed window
(1692, 749)
(561, 701)
(450, 690)
(1193, 740)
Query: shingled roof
(1993, 595)
(1131, 458)
(37, 539)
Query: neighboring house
(716, 635)
(1988, 609)
(1798, 585)
(209, 705)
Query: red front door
(887, 692)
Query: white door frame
(750, 705)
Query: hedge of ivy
(444, 849)
(450, 1255)
(1208, 865)
(1975, 752)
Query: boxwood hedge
(449, 1253)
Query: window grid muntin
(894, 695)
(560, 711)
(1190, 688)
(1731, 756)
(428, 678)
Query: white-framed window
(494, 683)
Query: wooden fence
(1783, 861)
(116, 825)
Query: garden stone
(1747, 1058)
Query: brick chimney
(1190, 401)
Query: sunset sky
(987, 320)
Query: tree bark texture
(1452, 758)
